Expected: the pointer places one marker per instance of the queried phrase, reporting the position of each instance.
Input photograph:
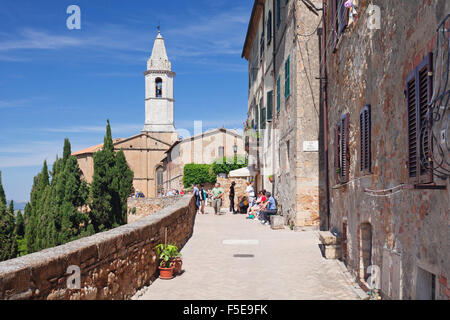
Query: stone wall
(146, 206)
(409, 228)
(239, 189)
(113, 264)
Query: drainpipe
(274, 97)
(323, 87)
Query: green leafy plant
(166, 254)
(197, 173)
(227, 164)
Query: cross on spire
(159, 26)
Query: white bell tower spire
(159, 90)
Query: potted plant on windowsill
(271, 178)
(166, 255)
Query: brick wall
(113, 264)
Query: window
(269, 105)
(365, 135)
(256, 117)
(418, 94)
(278, 13)
(269, 27)
(158, 87)
(341, 150)
(159, 180)
(287, 77)
(221, 152)
(278, 94)
(339, 15)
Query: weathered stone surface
(332, 251)
(113, 264)
(327, 238)
(277, 222)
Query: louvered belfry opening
(418, 96)
(365, 138)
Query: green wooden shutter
(287, 77)
(269, 105)
(278, 94)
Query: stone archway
(365, 249)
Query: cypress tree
(8, 241)
(20, 224)
(111, 185)
(2, 191)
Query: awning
(242, 172)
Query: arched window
(159, 180)
(158, 87)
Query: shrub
(227, 164)
(197, 173)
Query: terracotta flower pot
(165, 273)
(177, 264)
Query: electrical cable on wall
(435, 121)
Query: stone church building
(145, 151)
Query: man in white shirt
(250, 193)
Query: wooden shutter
(344, 146)
(336, 152)
(365, 139)
(424, 92)
(269, 105)
(412, 126)
(278, 94)
(342, 16)
(419, 87)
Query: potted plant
(166, 254)
(271, 178)
(177, 263)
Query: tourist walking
(217, 196)
(203, 199)
(232, 209)
(196, 192)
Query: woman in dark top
(232, 197)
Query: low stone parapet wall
(146, 206)
(112, 264)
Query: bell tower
(159, 99)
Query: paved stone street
(276, 264)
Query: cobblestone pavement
(281, 264)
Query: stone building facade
(282, 135)
(381, 69)
(202, 148)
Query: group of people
(214, 196)
(259, 208)
(173, 192)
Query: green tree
(111, 185)
(197, 174)
(8, 241)
(227, 164)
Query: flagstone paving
(275, 264)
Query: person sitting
(254, 210)
(243, 204)
(269, 209)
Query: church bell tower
(159, 90)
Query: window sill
(430, 187)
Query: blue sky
(57, 83)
